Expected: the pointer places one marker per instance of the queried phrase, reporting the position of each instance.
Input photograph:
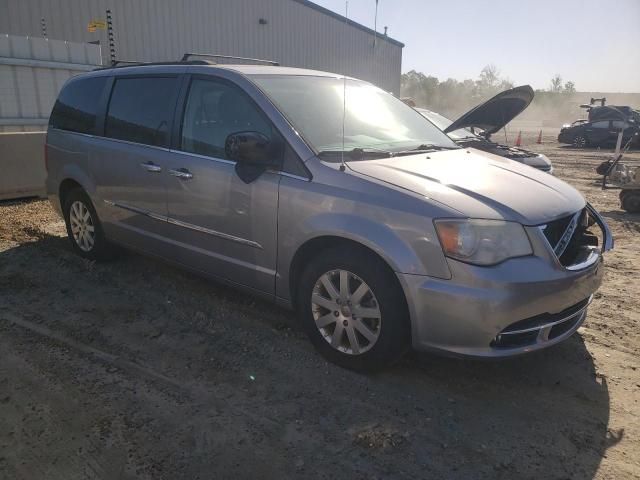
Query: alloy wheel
(82, 226)
(346, 312)
(579, 142)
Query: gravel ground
(134, 369)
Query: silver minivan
(327, 195)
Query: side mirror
(253, 153)
(252, 148)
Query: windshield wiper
(358, 153)
(423, 148)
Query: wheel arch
(66, 186)
(73, 177)
(315, 246)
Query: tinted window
(141, 109)
(619, 124)
(76, 106)
(214, 110)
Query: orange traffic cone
(539, 137)
(519, 139)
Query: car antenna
(344, 91)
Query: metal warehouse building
(295, 33)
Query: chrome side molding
(180, 223)
(215, 233)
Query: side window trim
(103, 105)
(178, 121)
(178, 114)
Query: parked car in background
(600, 133)
(580, 121)
(489, 118)
(355, 211)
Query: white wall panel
(32, 71)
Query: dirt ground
(134, 369)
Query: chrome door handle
(151, 167)
(181, 173)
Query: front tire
(630, 200)
(84, 228)
(353, 309)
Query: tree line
(453, 97)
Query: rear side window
(141, 109)
(76, 106)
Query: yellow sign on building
(96, 25)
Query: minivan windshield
(375, 121)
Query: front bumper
(518, 306)
(565, 137)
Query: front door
(221, 225)
(129, 162)
(597, 133)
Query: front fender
(403, 249)
(377, 236)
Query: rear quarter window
(76, 106)
(141, 109)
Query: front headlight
(482, 242)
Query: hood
(527, 157)
(513, 153)
(478, 185)
(496, 112)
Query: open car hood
(496, 112)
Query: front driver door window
(222, 226)
(598, 132)
(213, 112)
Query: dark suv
(600, 133)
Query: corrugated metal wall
(154, 30)
(32, 71)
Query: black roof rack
(116, 63)
(185, 61)
(131, 63)
(186, 56)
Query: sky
(594, 43)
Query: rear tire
(362, 326)
(84, 228)
(579, 141)
(630, 200)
